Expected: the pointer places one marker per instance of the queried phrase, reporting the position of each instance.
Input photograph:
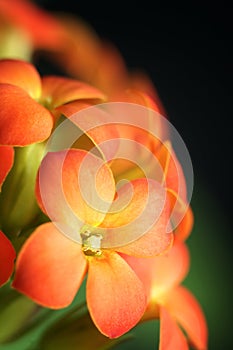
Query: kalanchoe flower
(51, 267)
(171, 176)
(26, 102)
(7, 257)
(173, 304)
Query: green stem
(18, 206)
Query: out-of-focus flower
(73, 45)
(172, 303)
(171, 176)
(86, 56)
(7, 257)
(51, 267)
(42, 29)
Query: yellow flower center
(91, 243)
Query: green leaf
(77, 333)
(14, 315)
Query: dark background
(186, 51)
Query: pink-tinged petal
(50, 268)
(115, 296)
(75, 187)
(188, 313)
(181, 216)
(21, 74)
(7, 257)
(94, 122)
(138, 218)
(44, 30)
(6, 162)
(22, 120)
(162, 273)
(57, 91)
(171, 336)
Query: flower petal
(22, 120)
(74, 187)
(188, 313)
(7, 257)
(171, 336)
(162, 273)
(21, 74)
(138, 219)
(95, 125)
(50, 268)
(181, 216)
(6, 161)
(137, 96)
(142, 82)
(57, 91)
(115, 296)
(173, 176)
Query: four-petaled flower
(77, 190)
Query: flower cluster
(91, 188)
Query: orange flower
(85, 56)
(7, 257)
(172, 303)
(153, 153)
(26, 101)
(77, 190)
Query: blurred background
(186, 51)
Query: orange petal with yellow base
(115, 296)
(50, 268)
(57, 91)
(22, 120)
(7, 257)
(21, 74)
(184, 307)
(171, 336)
(75, 184)
(6, 161)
